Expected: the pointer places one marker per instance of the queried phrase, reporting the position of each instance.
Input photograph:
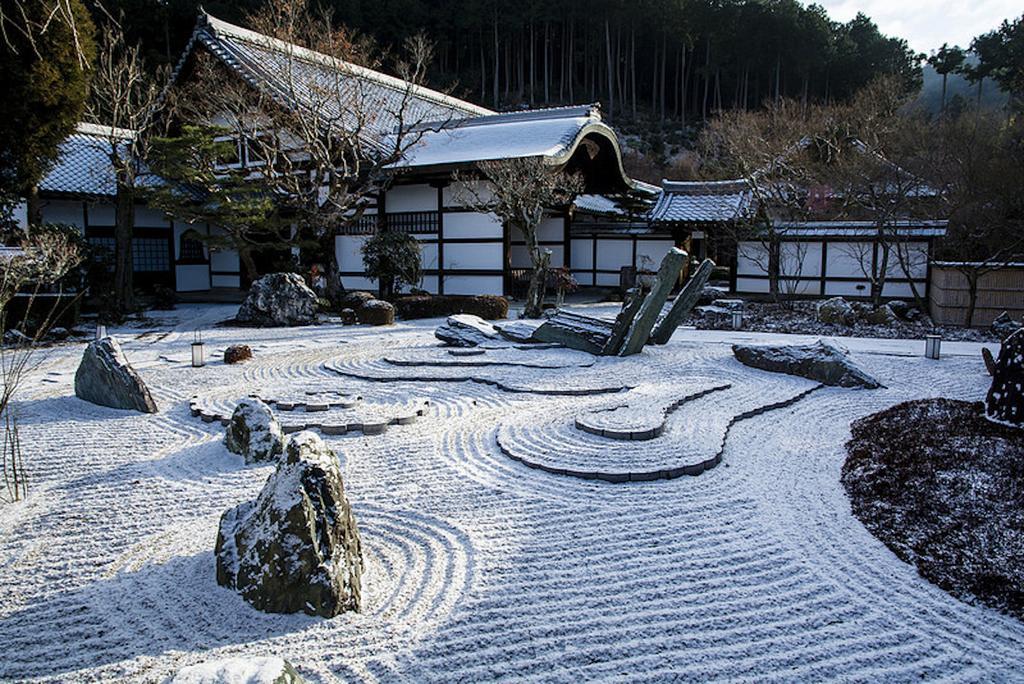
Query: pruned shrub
(490, 307)
(376, 312)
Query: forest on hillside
(652, 60)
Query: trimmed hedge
(490, 307)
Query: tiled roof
(83, 167)
(702, 201)
(902, 228)
(293, 75)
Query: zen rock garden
(326, 465)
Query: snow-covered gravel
(478, 567)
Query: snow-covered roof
(83, 167)
(902, 228)
(619, 205)
(294, 76)
(702, 201)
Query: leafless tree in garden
(125, 102)
(328, 145)
(771, 151)
(36, 266)
(519, 192)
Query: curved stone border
(692, 469)
(366, 428)
(583, 392)
(643, 435)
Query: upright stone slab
(105, 377)
(1005, 399)
(640, 330)
(631, 304)
(296, 548)
(685, 301)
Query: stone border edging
(644, 435)
(692, 469)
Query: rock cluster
(105, 377)
(254, 433)
(822, 361)
(838, 311)
(1004, 325)
(279, 299)
(466, 330)
(296, 547)
(237, 353)
(1005, 399)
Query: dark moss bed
(944, 489)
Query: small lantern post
(101, 331)
(198, 350)
(932, 346)
(737, 320)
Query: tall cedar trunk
(34, 206)
(972, 295)
(496, 59)
(547, 66)
(124, 224)
(774, 265)
(249, 264)
(632, 67)
(533, 61)
(611, 73)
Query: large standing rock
(822, 361)
(279, 299)
(254, 433)
(376, 312)
(106, 378)
(836, 310)
(255, 670)
(295, 548)
(1005, 399)
(466, 330)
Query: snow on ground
(478, 567)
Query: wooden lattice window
(190, 247)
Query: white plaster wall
(654, 249)
(473, 256)
(348, 249)
(751, 285)
(551, 229)
(582, 254)
(473, 285)
(614, 254)
(101, 214)
(61, 211)
(460, 195)
(472, 225)
(751, 259)
(411, 198)
(849, 259)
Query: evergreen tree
(44, 78)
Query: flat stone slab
(507, 356)
(331, 414)
(691, 441)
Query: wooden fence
(998, 291)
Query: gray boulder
(822, 361)
(518, 330)
(1005, 399)
(105, 377)
(279, 299)
(1004, 325)
(883, 315)
(296, 548)
(254, 433)
(729, 304)
(710, 293)
(836, 311)
(900, 308)
(251, 670)
(466, 330)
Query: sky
(927, 24)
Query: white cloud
(927, 24)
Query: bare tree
(327, 142)
(519, 192)
(15, 20)
(773, 151)
(125, 102)
(41, 260)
